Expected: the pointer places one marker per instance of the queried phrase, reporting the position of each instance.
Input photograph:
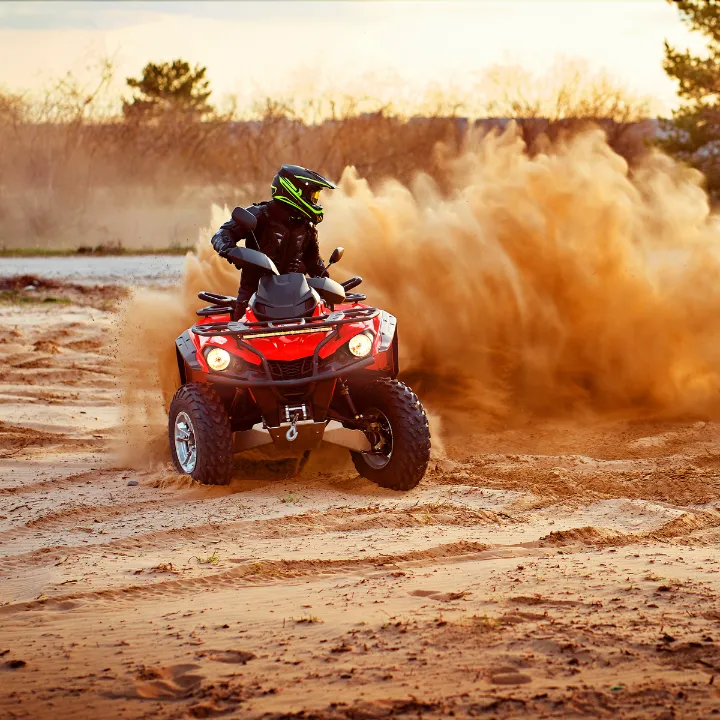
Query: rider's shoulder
(256, 209)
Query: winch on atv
(308, 362)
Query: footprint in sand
(227, 656)
(164, 683)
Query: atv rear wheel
(200, 435)
(399, 435)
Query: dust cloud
(552, 285)
(547, 285)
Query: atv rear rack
(289, 326)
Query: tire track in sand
(257, 572)
(314, 522)
(60, 483)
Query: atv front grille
(291, 369)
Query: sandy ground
(549, 570)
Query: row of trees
(170, 134)
(175, 90)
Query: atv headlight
(218, 359)
(361, 345)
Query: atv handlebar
(352, 282)
(224, 301)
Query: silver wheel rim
(185, 447)
(377, 460)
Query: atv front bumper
(253, 380)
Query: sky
(389, 49)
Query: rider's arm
(229, 235)
(314, 265)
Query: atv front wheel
(398, 433)
(200, 435)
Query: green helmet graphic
(300, 188)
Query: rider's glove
(225, 252)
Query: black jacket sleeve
(230, 234)
(314, 266)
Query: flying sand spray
(537, 286)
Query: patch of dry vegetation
(72, 176)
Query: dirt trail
(557, 569)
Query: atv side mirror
(336, 255)
(245, 219)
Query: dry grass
(71, 176)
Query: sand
(543, 569)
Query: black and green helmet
(300, 188)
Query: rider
(285, 230)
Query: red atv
(308, 362)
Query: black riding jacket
(291, 243)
